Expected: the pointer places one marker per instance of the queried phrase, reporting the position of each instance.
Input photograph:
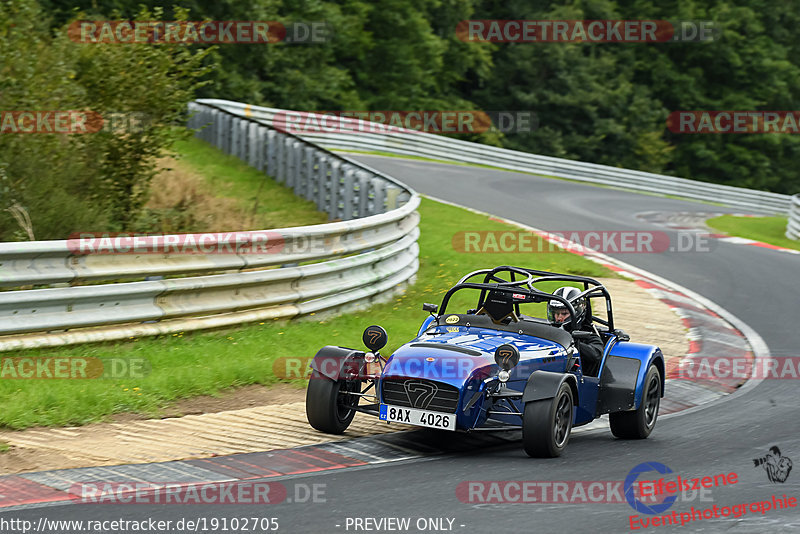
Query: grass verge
(203, 363)
(770, 230)
(202, 189)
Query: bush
(91, 181)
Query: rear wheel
(329, 407)
(639, 423)
(546, 424)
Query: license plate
(412, 416)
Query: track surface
(758, 285)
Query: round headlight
(369, 357)
(503, 375)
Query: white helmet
(554, 306)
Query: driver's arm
(591, 351)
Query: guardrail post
(320, 179)
(259, 147)
(280, 158)
(347, 189)
(310, 173)
(793, 226)
(299, 167)
(218, 125)
(378, 204)
(291, 162)
(271, 153)
(364, 184)
(252, 153)
(331, 200)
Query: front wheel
(639, 423)
(546, 424)
(329, 406)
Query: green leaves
(98, 180)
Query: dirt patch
(21, 460)
(233, 399)
(181, 201)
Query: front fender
(425, 324)
(545, 384)
(338, 362)
(622, 378)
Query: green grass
(276, 205)
(186, 365)
(770, 230)
(4, 447)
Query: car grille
(420, 394)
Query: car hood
(455, 354)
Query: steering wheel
(526, 281)
(496, 310)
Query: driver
(590, 349)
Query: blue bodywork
(450, 376)
(463, 357)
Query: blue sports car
(493, 368)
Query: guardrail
(793, 228)
(368, 255)
(404, 142)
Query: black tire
(639, 423)
(328, 408)
(547, 424)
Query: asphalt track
(758, 285)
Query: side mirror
(375, 338)
(622, 335)
(432, 308)
(506, 356)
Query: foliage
(604, 103)
(89, 181)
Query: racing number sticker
(453, 319)
(506, 355)
(373, 335)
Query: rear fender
(339, 362)
(545, 385)
(622, 378)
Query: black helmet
(554, 306)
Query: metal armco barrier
(366, 256)
(403, 142)
(793, 228)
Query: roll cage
(514, 291)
